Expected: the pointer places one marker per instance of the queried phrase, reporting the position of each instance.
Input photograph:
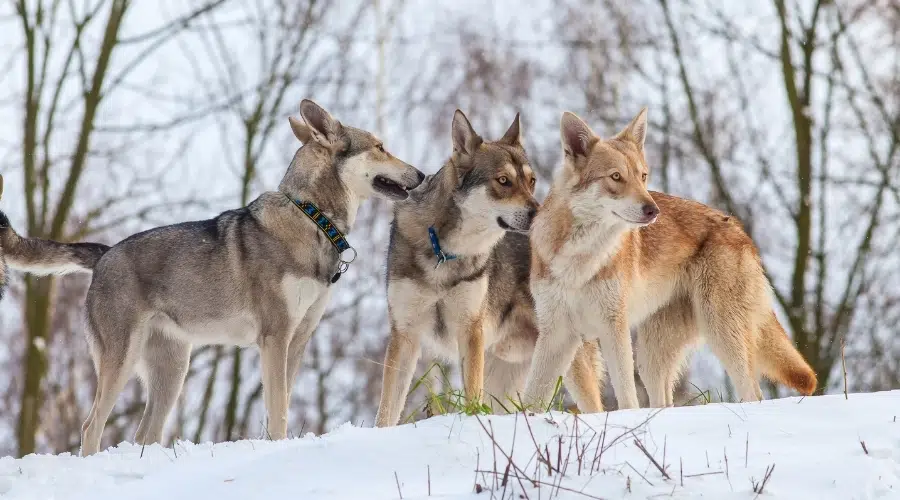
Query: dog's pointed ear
(577, 136)
(300, 130)
(636, 131)
(465, 140)
(323, 127)
(513, 135)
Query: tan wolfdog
(608, 255)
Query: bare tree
(65, 76)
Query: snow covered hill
(815, 448)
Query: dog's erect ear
(301, 131)
(636, 131)
(577, 136)
(465, 140)
(513, 135)
(323, 128)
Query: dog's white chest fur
(299, 294)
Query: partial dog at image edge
(40, 256)
(457, 277)
(260, 274)
(608, 255)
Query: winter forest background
(117, 116)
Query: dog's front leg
(615, 343)
(273, 351)
(399, 365)
(553, 355)
(472, 360)
(301, 338)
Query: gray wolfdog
(256, 275)
(457, 277)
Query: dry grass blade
(538, 483)
(508, 457)
(758, 487)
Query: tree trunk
(38, 320)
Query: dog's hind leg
(503, 382)
(663, 343)
(163, 367)
(585, 377)
(114, 361)
(726, 322)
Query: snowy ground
(715, 451)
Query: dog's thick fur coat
(259, 275)
(608, 256)
(477, 307)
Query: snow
(814, 444)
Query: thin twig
(746, 450)
(398, 485)
(844, 368)
(639, 473)
(543, 483)
(713, 473)
(759, 487)
(640, 445)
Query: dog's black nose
(650, 211)
(421, 176)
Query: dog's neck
(460, 232)
(323, 187)
(576, 245)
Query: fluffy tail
(780, 361)
(44, 257)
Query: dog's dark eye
(503, 180)
(644, 177)
(533, 181)
(380, 148)
(616, 176)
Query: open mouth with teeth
(389, 188)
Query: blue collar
(436, 246)
(333, 234)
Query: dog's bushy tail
(779, 359)
(44, 257)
